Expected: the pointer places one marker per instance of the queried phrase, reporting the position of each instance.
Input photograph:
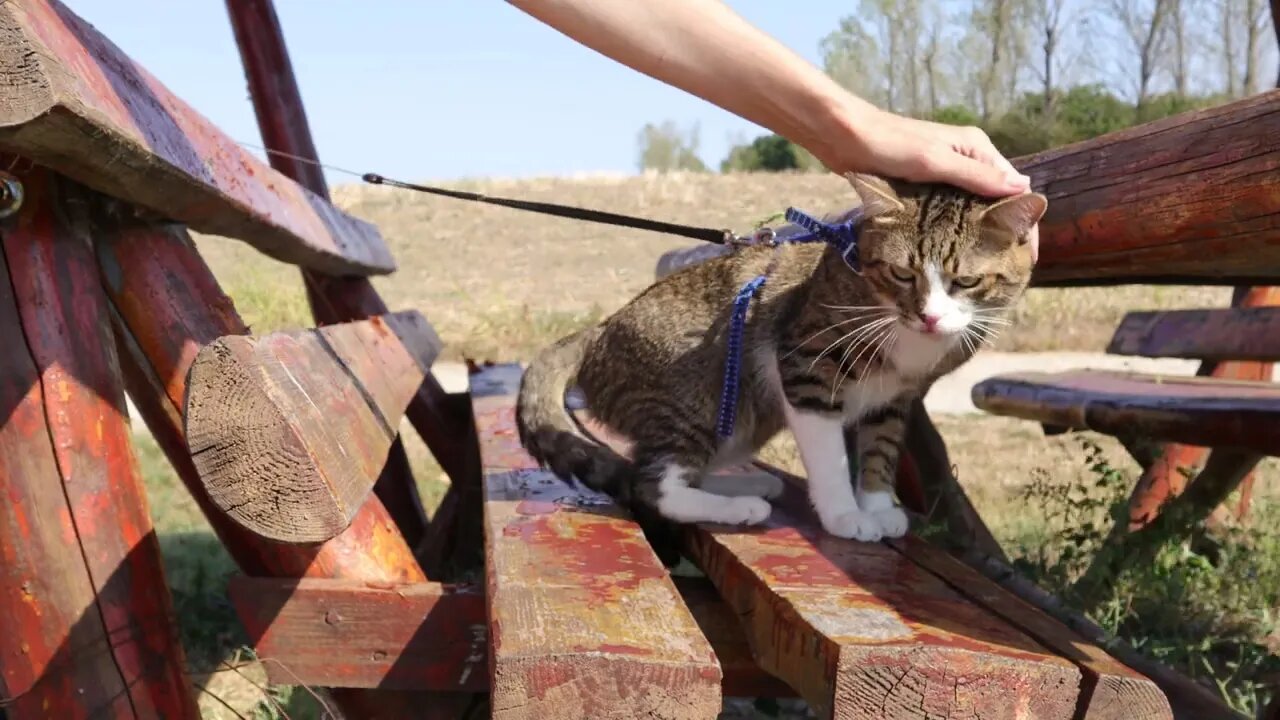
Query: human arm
(706, 49)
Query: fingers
(974, 174)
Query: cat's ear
(1017, 214)
(878, 198)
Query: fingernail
(1018, 180)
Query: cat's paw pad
(855, 525)
(893, 521)
(747, 511)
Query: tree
(1145, 23)
(768, 153)
(665, 148)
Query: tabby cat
(825, 346)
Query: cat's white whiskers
(849, 346)
(809, 339)
(856, 335)
(843, 372)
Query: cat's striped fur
(826, 347)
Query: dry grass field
(498, 284)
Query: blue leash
(842, 236)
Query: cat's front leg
(820, 438)
(880, 435)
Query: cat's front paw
(747, 510)
(853, 524)
(893, 521)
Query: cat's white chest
(915, 356)
(870, 392)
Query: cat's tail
(551, 436)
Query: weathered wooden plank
(1218, 335)
(1109, 690)
(349, 633)
(1194, 410)
(425, 636)
(861, 631)
(585, 621)
(73, 101)
(1191, 198)
(104, 519)
(171, 306)
(291, 430)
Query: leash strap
(711, 235)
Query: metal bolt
(10, 195)
(332, 617)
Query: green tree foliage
(666, 147)
(769, 153)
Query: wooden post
(282, 120)
(170, 305)
(93, 630)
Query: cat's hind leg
(669, 481)
(745, 484)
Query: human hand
(921, 151)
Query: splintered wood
(72, 100)
(861, 631)
(290, 431)
(1200, 411)
(585, 621)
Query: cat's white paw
(854, 524)
(893, 521)
(767, 486)
(747, 510)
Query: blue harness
(842, 236)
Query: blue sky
(441, 89)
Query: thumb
(977, 176)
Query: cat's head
(945, 258)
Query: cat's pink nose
(930, 321)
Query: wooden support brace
(71, 100)
(93, 630)
(426, 636)
(1219, 335)
(859, 630)
(585, 621)
(170, 305)
(290, 431)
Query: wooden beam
(1219, 335)
(1193, 410)
(425, 636)
(859, 630)
(96, 633)
(170, 305)
(73, 101)
(1194, 198)
(290, 431)
(585, 621)
(1109, 690)
(282, 120)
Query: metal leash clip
(10, 195)
(762, 236)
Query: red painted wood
(1191, 198)
(585, 621)
(88, 111)
(104, 519)
(171, 306)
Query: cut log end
(241, 439)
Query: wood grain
(1194, 410)
(861, 631)
(1109, 689)
(290, 431)
(170, 305)
(73, 101)
(104, 517)
(585, 621)
(1218, 335)
(1193, 198)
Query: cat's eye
(901, 274)
(966, 281)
